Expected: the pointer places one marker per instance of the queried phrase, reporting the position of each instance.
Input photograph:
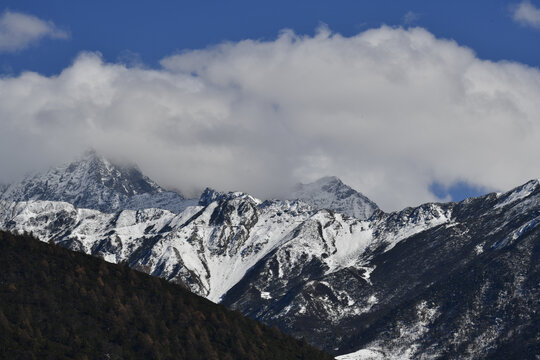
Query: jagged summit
(210, 195)
(94, 182)
(331, 193)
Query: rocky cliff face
(436, 281)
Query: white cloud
(18, 31)
(388, 110)
(410, 18)
(527, 14)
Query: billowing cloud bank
(389, 111)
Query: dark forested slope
(58, 304)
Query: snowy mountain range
(435, 281)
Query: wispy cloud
(18, 31)
(526, 14)
(389, 110)
(410, 18)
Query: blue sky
(147, 34)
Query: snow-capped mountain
(94, 182)
(330, 193)
(458, 280)
(434, 281)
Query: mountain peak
(91, 156)
(331, 193)
(210, 195)
(92, 181)
(95, 158)
(93, 168)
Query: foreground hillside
(58, 304)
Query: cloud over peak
(18, 31)
(390, 111)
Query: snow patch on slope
(518, 194)
(363, 354)
(420, 219)
(516, 234)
